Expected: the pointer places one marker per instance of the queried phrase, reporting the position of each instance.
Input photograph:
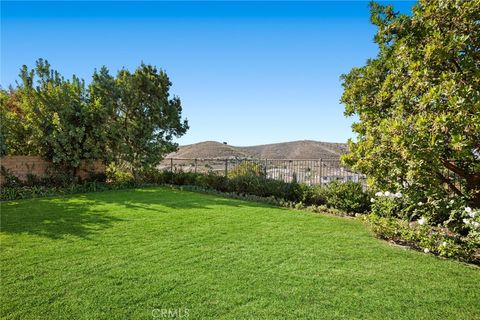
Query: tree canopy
(418, 102)
(130, 118)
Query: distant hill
(304, 149)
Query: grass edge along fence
(307, 171)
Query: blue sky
(246, 72)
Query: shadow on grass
(85, 214)
(54, 218)
(151, 198)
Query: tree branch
(450, 166)
(450, 184)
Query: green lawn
(124, 254)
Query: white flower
(471, 214)
(426, 250)
(379, 194)
(420, 203)
(468, 209)
(466, 221)
(422, 221)
(452, 202)
(398, 194)
(387, 193)
(444, 243)
(372, 200)
(476, 224)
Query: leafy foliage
(145, 118)
(436, 240)
(418, 102)
(15, 134)
(247, 168)
(129, 119)
(388, 204)
(64, 126)
(348, 196)
(35, 191)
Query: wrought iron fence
(310, 172)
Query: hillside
(304, 149)
(208, 149)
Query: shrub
(155, 176)
(387, 204)
(246, 185)
(58, 176)
(295, 192)
(32, 180)
(348, 196)
(258, 186)
(247, 168)
(54, 177)
(430, 239)
(458, 237)
(10, 180)
(26, 192)
(122, 177)
(96, 177)
(213, 181)
(181, 178)
(115, 174)
(313, 195)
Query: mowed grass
(125, 254)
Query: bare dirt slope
(304, 149)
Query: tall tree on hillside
(418, 101)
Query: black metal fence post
(321, 172)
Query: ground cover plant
(138, 253)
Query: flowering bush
(435, 240)
(420, 225)
(472, 224)
(387, 204)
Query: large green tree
(145, 119)
(130, 118)
(418, 101)
(64, 126)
